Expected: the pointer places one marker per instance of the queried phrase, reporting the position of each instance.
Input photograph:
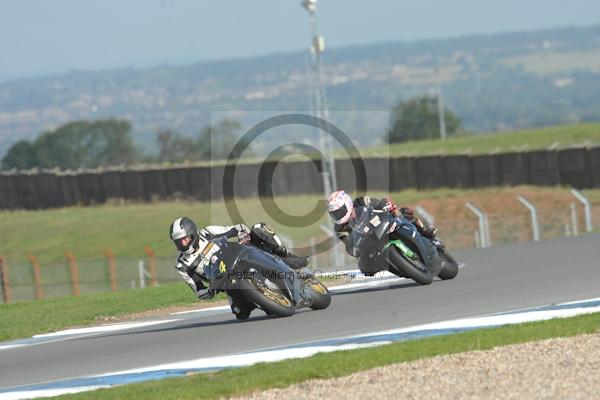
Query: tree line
(108, 142)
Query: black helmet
(184, 233)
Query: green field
(234, 382)
(535, 139)
(551, 63)
(126, 229)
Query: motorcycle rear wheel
(271, 301)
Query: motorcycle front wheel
(319, 293)
(449, 265)
(414, 269)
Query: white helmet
(340, 205)
(184, 233)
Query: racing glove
(243, 237)
(408, 213)
(391, 207)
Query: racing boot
(431, 233)
(293, 261)
(240, 308)
(263, 237)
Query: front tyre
(270, 300)
(449, 265)
(320, 294)
(414, 270)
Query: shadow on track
(377, 289)
(196, 325)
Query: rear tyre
(320, 294)
(272, 301)
(414, 270)
(449, 266)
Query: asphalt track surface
(494, 280)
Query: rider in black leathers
(340, 206)
(196, 249)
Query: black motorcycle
(395, 244)
(255, 278)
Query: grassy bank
(126, 229)
(324, 366)
(534, 139)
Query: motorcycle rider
(196, 249)
(341, 207)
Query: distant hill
(493, 82)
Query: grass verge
(526, 140)
(126, 229)
(21, 320)
(330, 365)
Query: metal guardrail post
(484, 227)
(574, 219)
(426, 215)
(152, 265)
(37, 277)
(112, 270)
(74, 272)
(335, 254)
(5, 281)
(535, 227)
(142, 273)
(587, 207)
(313, 252)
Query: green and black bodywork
(395, 244)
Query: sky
(40, 37)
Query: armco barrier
(378, 174)
(403, 173)
(26, 192)
(430, 172)
(595, 165)
(200, 182)
(577, 167)
(154, 184)
(69, 188)
(90, 189)
(303, 177)
(111, 184)
(9, 198)
(514, 169)
(458, 172)
(48, 190)
(346, 177)
(543, 168)
(486, 170)
(133, 185)
(574, 168)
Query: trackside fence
(29, 279)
